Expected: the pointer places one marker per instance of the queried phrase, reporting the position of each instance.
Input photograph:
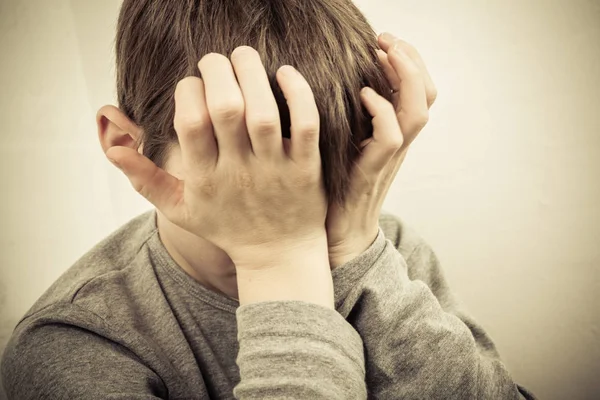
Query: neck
(206, 263)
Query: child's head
(159, 42)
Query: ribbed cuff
(347, 275)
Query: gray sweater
(125, 322)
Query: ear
(116, 129)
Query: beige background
(503, 182)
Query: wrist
(275, 253)
(351, 248)
(298, 271)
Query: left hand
(353, 228)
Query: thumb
(159, 187)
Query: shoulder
(79, 317)
(60, 351)
(109, 258)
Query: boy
(267, 269)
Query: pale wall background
(504, 181)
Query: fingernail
(368, 92)
(388, 37)
(289, 71)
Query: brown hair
(159, 42)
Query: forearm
(414, 347)
(297, 350)
(435, 346)
(293, 344)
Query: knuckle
(263, 123)
(144, 187)
(203, 185)
(395, 142)
(308, 130)
(308, 134)
(432, 97)
(140, 188)
(421, 119)
(245, 180)
(187, 125)
(229, 109)
(207, 188)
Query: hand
(246, 189)
(351, 229)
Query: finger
(413, 113)
(193, 125)
(262, 113)
(304, 114)
(387, 137)
(391, 76)
(159, 187)
(225, 105)
(386, 40)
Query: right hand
(256, 194)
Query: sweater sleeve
(298, 350)
(51, 355)
(418, 341)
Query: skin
(353, 228)
(235, 170)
